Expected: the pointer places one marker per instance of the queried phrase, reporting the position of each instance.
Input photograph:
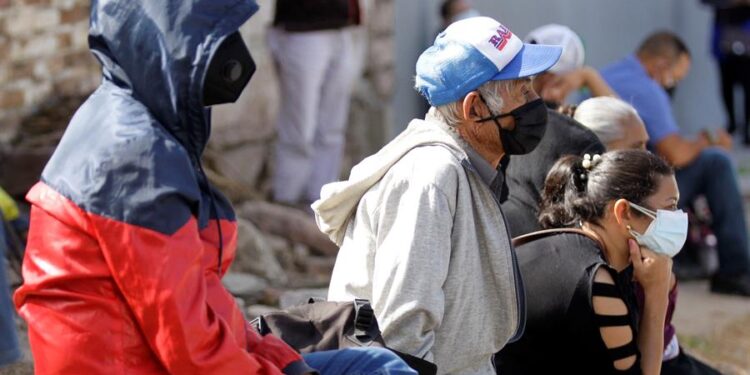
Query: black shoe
(738, 285)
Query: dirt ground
(714, 328)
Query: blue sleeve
(655, 109)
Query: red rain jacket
(121, 274)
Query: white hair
(606, 117)
(452, 113)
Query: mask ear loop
(633, 233)
(644, 210)
(493, 117)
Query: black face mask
(671, 91)
(552, 105)
(229, 71)
(531, 124)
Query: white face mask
(667, 232)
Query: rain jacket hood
(161, 53)
(338, 201)
(128, 239)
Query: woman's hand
(653, 271)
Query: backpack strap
(364, 317)
(533, 236)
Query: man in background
(703, 166)
(312, 45)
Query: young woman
(617, 124)
(582, 312)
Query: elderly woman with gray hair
(619, 127)
(615, 123)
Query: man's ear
(472, 107)
(622, 212)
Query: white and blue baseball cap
(473, 51)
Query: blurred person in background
(619, 127)
(730, 46)
(524, 179)
(16, 226)
(703, 166)
(569, 74)
(615, 122)
(312, 45)
(9, 350)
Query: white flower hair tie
(589, 162)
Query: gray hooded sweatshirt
(423, 238)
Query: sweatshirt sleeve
(162, 279)
(411, 264)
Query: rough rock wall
(45, 55)
(47, 69)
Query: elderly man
(644, 79)
(418, 223)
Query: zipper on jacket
(518, 281)
(215, 212)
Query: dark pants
(735, 71)
(712, 175)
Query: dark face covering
(671, 91)
(229, 71)
(531, 123)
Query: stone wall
(47, 69)
(45, 56)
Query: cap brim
(531, 59)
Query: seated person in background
(564, 136)
(17, 221)
(582, 315)
(569, 74)
(643, 79)
(619, 127)
(614, 122)
(420, 231)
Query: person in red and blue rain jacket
(128, 239)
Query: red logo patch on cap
(500, 40)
